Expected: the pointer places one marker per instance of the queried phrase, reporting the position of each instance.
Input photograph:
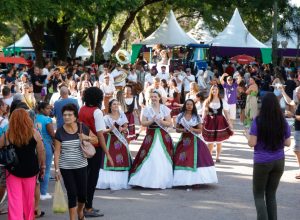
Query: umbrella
(242, 59)
(15, 60)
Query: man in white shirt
(163, 74)
(149, 78)
(108, 90)
(6, 94)
(187, 80)
(156, 86)
(208, 76)
(179, 79)
(104, 74)
(117, 72)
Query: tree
(33, 15)
(291, 26)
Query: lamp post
(14, 31)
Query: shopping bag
(59, 202)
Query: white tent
(109, 43)
(291, 41)
(200, 32)
(26, 45)
(236, 35)
(169, 33)
(24, 42)
(83, 52)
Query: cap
(2, 76)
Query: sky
(295, 2)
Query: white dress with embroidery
(157, 169)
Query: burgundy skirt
(131, 127)
(216, 128)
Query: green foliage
(78, 16)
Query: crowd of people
(55, 108)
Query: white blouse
(120, 121)
(129, 101)
(148, 112)
(195, 120)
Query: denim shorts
(297, 141)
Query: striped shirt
(71, 155)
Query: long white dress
(156, 169)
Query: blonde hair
(194, 86)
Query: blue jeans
(49, 155)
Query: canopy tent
(291, 42)
(24, 43)
(83, 52)
(287, 46)
(236, 35)
(108, 43)
(169, 33)
(200, 32)
(26, 46)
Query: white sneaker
(44, 197)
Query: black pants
(266, 177)
(75, 181)
(93, 169)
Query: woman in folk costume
(217, 127)
(192, 160)
(131, 107)
(153, 166)
(115, 177)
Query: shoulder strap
(80, 127)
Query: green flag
(135, 51)
(266, 54)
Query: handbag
(8, 156)
(87, 148)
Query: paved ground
(231, 199)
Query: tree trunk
(62, 37)
(127, 24)
(297, 54)
(101, 34)
(274, 41)
(76, 40)
(91, 37)
(35, 32)
(124, 28)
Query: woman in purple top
(269, 133)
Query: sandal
(42, 213)
(297, 176)
(83, 218)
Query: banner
(135, 51)
(266, 54)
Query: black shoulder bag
(8, 156)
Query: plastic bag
(59, 202)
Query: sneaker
(92, 214)
(44, 197)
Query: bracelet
(57, 171)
